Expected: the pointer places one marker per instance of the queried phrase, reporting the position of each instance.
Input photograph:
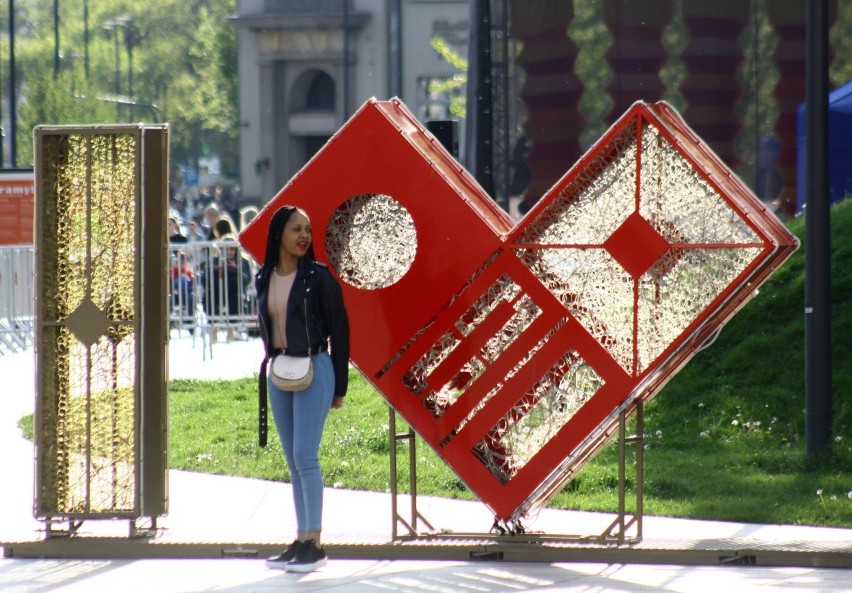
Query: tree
(179, 56)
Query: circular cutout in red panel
(371, 241)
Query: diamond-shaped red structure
(513, 350)
(636, 245)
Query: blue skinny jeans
(299, 418)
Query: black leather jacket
(315, 311)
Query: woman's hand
(337, 402)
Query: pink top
(279, 292)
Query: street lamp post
(55, 39)
(86, 34)
(126, 23)
(113, 26)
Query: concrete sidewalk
(244, 516)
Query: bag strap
(263, 410)
(307, 323)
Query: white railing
(16, 298)
(211, 293)
(212, 290)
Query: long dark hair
(273, 237)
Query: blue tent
(839, 147)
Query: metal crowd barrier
(16, 298)
(212, 291)
(211, 298)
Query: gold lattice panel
(89, 306)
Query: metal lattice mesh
(504, 289)
(87, 361)
(585, 278)
(595, 290)
(538, 416)
(440, 397)
(594, 204)
(415, 379)
(438, 401)
(666, 308)
(682, 205)
(526, 311)
(371, 241)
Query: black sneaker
(308, 559)
(280, 561)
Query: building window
(314, 91)
(320, 95)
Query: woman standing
(301, 313)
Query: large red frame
(464, 245)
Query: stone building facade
(306, 65)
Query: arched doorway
(313, 114)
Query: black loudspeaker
(447, 132)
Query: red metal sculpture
(512, 349)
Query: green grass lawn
(724, 440)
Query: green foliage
(447, 54)
(458, 103)
(184, 61)
(214, 430)
(592, 38)
(57, 103)
(25, 424)
(841, 44)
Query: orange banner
(17, 193)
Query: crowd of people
(210, 278)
